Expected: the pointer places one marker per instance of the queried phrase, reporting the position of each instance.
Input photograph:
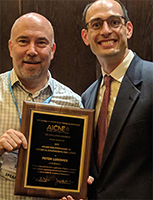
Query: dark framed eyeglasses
(114, 21)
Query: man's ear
(129, 27)
(10, 47)
(53, 50)
(84, 36)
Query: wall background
(74, 64)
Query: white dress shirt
(117, 74)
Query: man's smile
(107, 43)
(32, 62)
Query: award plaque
(56, 163)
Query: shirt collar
(50, 81)
(15, 80)
(119, 72)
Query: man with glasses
(121, 159)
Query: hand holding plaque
(59, 143)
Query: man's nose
(105, 29)
(31, 51)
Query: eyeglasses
(112, 21)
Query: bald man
(32, 48)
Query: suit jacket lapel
(89, 100)
(126, 98)
(92, 94)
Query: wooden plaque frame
(61, 166)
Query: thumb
(90, 180)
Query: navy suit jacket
(126, 169)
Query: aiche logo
(57, 128)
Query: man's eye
(96, 25)
(22, 42)
(41, 43)
(115, 22)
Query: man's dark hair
(88, 6)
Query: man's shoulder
(4, 78)
(64, 93)
(148, 65)
(60, 87)
(94, 86)
(4, 75)
(140, 68)
(137, 59)
(147, 69)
